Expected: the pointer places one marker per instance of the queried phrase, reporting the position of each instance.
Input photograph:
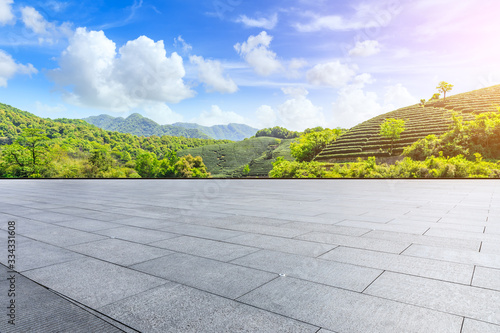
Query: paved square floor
(252, 255)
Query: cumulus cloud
(333, 74)
(294, 67)
(365, 49)
(9, 68)
(92, 73)
(161, 113)
(211, 73)
(6, 15)
(355, 105)
(257, 54)
(218, 117)
(48, 31)
(266, 117)
(265, 23)
(298, 112)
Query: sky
(291, 63)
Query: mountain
(235, 132)
(141, 126)
(363, 140)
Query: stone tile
(217, 277)
(32, 254)
(329, 228)
(435, 225)
(356, 242)
(346, 311)
(471, 302)
(486, 278)
(88, 224)
(191, 310)
(460, 256)
(119, 251)
(269, 230)
(474, 326)
(472, 245)
(205, 248)
(480, 236)
(412, 229)
(435, 269)
(332, 273)
(62, 236)
(253, 220)
(202, 231)
(93, 282)
(135, 234)
(281, 244)
(490, 247)
(146, 222)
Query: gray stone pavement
(252, 255)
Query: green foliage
(312, 143)
(191, 167)
(435, 97)
(246, 170)
(70, 148)
(277, 132)
(466, 138)
(391, 129)
(294, 169)
(443, 87)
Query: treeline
(70, 148)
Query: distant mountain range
(141, 126)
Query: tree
(191, 167)
(443, 87)
(392, 128)
(27, 153)
(311, 144)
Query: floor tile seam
(459, 262)
(70, 247)
(46, 266)
(458, 315)
(56, 245)
(89, 231)
(418, 242)
(90, 310)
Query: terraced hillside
(363, 140)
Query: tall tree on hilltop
(444, 87)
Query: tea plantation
(363, 140)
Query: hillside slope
(228, 160)
(363, 140)
(141, 126)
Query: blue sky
(294, 63)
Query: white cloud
(266, 117)
(218, 117)
(161, 113)
(9, 68)
(34, 21)
(332, 74)
(365, 49)
(355, 105)
(92, 74)
(6, 15)
(180, 42)
(44, 108)
(257, 54)
(211, 73)
(366, 16)
(298, 112)
(398, 96)
(294, 67)
(265, 23)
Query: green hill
(228, 160)
(363, 140)
(234, 132)
(138, 125)
(141, 126)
